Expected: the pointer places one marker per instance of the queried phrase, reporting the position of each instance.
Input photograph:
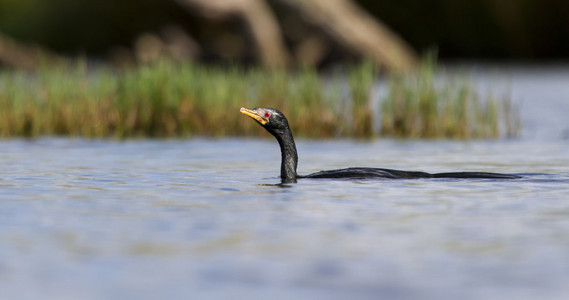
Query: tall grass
(361, 79)
(171, 99)
(419, 106)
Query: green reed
(418, 106)
(184, 99)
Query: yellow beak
(253, 114)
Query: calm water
(199, 218)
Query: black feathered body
(362, 173)
(276, 123)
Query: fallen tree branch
(356, 29)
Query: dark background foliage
(473, 29)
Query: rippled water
(202, 218)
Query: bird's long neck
(289, 156)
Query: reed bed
(418, 106)
(169, 99)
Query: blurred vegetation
(522, 29)
(183, 99)
(419, 106)
(480, 29)
(149, 68)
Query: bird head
(270, 118)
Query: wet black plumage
(276, 124)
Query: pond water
(206, 218)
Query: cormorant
(276, 124)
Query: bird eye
(267, 115)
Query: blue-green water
(201, 218)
